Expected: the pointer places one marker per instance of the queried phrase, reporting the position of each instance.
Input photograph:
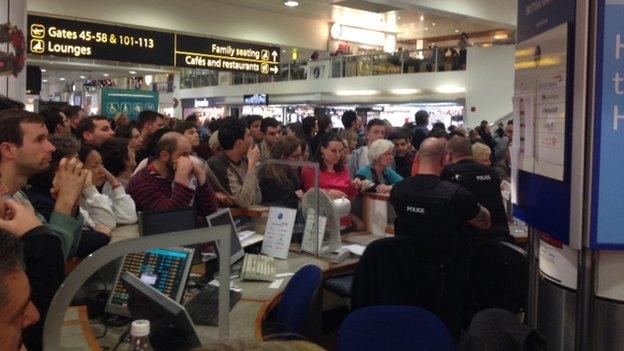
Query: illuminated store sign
(221, 55)
(256, 99)
(59, 37)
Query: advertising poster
(607, 221)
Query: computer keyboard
(258, 267)
(203, 308)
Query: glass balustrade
(375, 64)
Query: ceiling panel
(406, 23)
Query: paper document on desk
(245, 234)
(355, 249)
(233, 287)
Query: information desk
(247, 315)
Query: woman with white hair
(482, 154)
(379, 172)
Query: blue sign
(256, 99)
(537, 16)
(607, 215)
(128, 102)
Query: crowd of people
(68, 180)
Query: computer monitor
(171, 327)
(224, 217)
(165, 269)
(158, 222)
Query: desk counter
(245, 318)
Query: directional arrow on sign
(274, 69)
(274, 54)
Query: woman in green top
(379, 172)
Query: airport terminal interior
(344, 175)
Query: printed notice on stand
(550, 125)
(524, 117)
(540, 104)
(279, 229)
(310, 233)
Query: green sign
(128, 102)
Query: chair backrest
(397, 272)
(394, 328)
(500, 277)
(499, 330)
(297, 299)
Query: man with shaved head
(433, 212)
(430, 208)
(164, 184)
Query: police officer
(487, 283)
(433, 212)
(482, 182)
(432, 209)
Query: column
(13, 11)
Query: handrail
(95, 261)
(340, 66)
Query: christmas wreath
(12, 62)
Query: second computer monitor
(224, 217)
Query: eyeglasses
(296, 156)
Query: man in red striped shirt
(168, 181)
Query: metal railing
(341, 66)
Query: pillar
(13, 11)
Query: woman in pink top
(334, 177)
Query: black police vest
(425, 214)
(484, 184)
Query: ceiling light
(456, 30)
(83, 77)
(356, 92)
(405, 91)
(360, 35)
(426, 28)
(105, 74)
(45, 80)
(148, 79)
(433, 24)
(450, 89)
(132, 72)
(61, 79)
(291, 3)
(43, 70)
(501, 36)
(422, 18)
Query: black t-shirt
(434, 212)
(482, 182)
(403, 164)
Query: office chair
(298, 300)
(394, 328)
(400, 271)
(340, 284)
(499, 278)
(494, 329)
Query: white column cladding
(13, 11)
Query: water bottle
(140, 331)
